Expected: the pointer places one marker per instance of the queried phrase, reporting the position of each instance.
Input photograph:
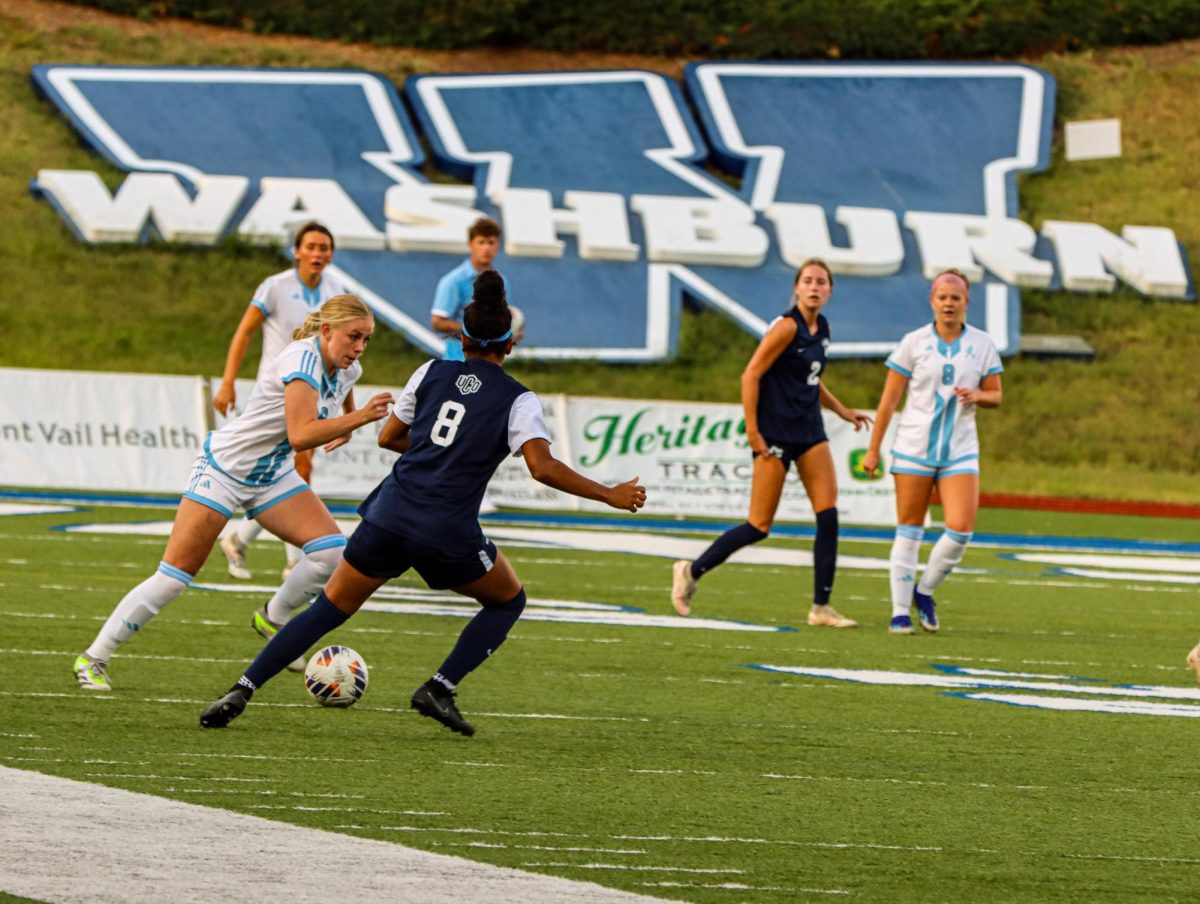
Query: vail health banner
(140, 433)
(99, 431)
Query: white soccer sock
(947, 553)
(247, 531)
(304, 582)
(140, 605)
(294, 553)
(906, 554)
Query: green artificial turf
(651, 758)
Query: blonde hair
(338, 309)
(813, 262)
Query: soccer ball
(336, 676)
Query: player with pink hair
(949, 369)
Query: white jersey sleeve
(405, 408)
(903, 357)
(991, 360)
(264, 299)
(299, 361)
(526, 422)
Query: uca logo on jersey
(890, 172)
(468, 383)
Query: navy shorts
(789, 452)
(380, 553)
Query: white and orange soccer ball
(336, 676)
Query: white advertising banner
(694, 460)
(136, 432)
(99, 431)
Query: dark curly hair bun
(487, 317)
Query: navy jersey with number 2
(789, 395)
(465, 418)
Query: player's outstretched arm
(830, 401)
(307, 431)
(547, 469)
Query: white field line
(200, 855)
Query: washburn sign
(890, 172)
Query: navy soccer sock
(725, 546)
(481, 638)
(825, 555)
(303, 630)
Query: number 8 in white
(446, 426)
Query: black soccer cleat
(225, 710)
(435, 700)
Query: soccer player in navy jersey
(455, 422)
(782, 397)
(454, 292)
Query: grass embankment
(1121, 427)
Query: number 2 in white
(445, 428)
(815, 376)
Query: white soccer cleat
(1193, 660)
(235, 555)
(828, 617)
(91, 673)
(683, 586)
(268, 629)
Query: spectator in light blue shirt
(454, 289)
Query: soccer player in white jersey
(279, 307)
(455, 422)
(250, 464)
(949, 369)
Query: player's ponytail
(487, 321)
(338, 309)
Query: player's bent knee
(325, 553)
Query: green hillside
(1121, 427)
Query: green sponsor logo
(641, 434)
(856, 466)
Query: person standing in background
(949, 370)
(782, 398)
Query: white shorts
(220, 492)
(908, 464)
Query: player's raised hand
(376, 407)
(629, 495)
